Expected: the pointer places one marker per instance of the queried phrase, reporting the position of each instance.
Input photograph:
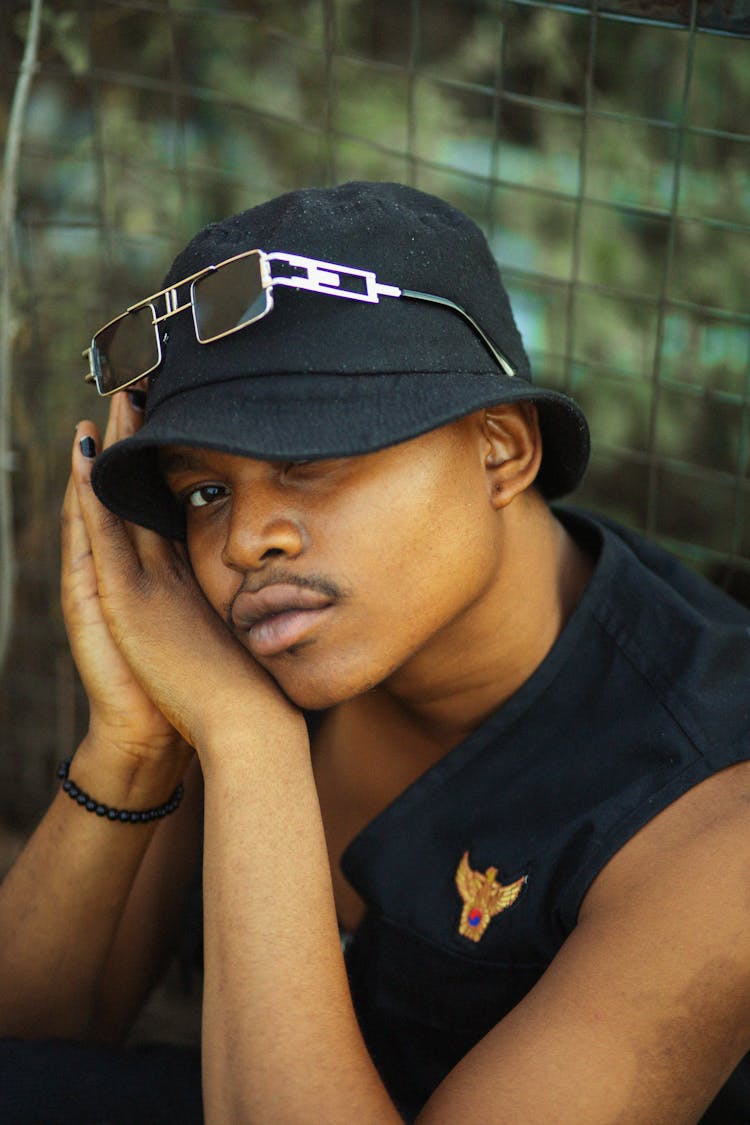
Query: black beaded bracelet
(125, 815)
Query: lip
(278, 616)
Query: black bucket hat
(324, 377)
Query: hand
(154, 656)
(121, 712)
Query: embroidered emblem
(483, 897)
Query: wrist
(126, 776)
(91, 804)
(238, 738)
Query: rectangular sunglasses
(228, 297)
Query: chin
(318, 689)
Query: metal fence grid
(602, 146)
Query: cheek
(420, 556)
(210, 573)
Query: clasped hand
(161, 670)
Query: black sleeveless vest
(643, 696)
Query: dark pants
(61, 1083)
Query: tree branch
(8, 199)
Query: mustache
(287, 578)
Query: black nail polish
(87, 446)
(137, 399)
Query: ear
(513, 450)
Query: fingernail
(87, 445)
(137, 399)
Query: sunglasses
(228, 297)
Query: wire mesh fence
(602, 146)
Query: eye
(294, 470)
(205, 495)
(306, 472)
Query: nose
(261, 529)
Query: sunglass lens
(229, 297)
(126, 349)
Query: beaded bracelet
(125, 815)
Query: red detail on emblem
(484, 896)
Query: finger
(112, 429)
(107, 535)
(125, 416)
(74, 537)
(78, 582)
(73, 534)
(118, 548)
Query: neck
(479, 660)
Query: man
(502, 749)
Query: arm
(67, 908)
(645, 1011)
(74, 888)
(149, 928)
(281, 1040)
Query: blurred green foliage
(607, 160)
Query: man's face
(338, 575)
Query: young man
(502, 749)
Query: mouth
(278, 617)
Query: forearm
(149, 928)
(281, 1041)
(62, 902)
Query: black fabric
(643, 696)
(322, 376)
(63, 1083)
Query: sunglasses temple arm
(89, 377)
(498, 356)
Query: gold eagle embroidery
(483, 897)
